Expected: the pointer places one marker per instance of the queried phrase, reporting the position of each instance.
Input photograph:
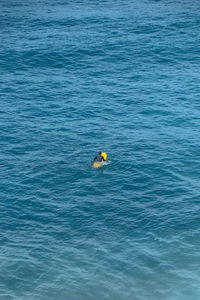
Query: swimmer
(101, 157)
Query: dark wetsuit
(99, 158)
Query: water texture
(76, 78)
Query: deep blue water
(76, 78)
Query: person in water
(101, 157)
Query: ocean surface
(78, 77)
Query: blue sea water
(79, 77)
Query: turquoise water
(79, 77)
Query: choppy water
(79, 77)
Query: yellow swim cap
(104, 154)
